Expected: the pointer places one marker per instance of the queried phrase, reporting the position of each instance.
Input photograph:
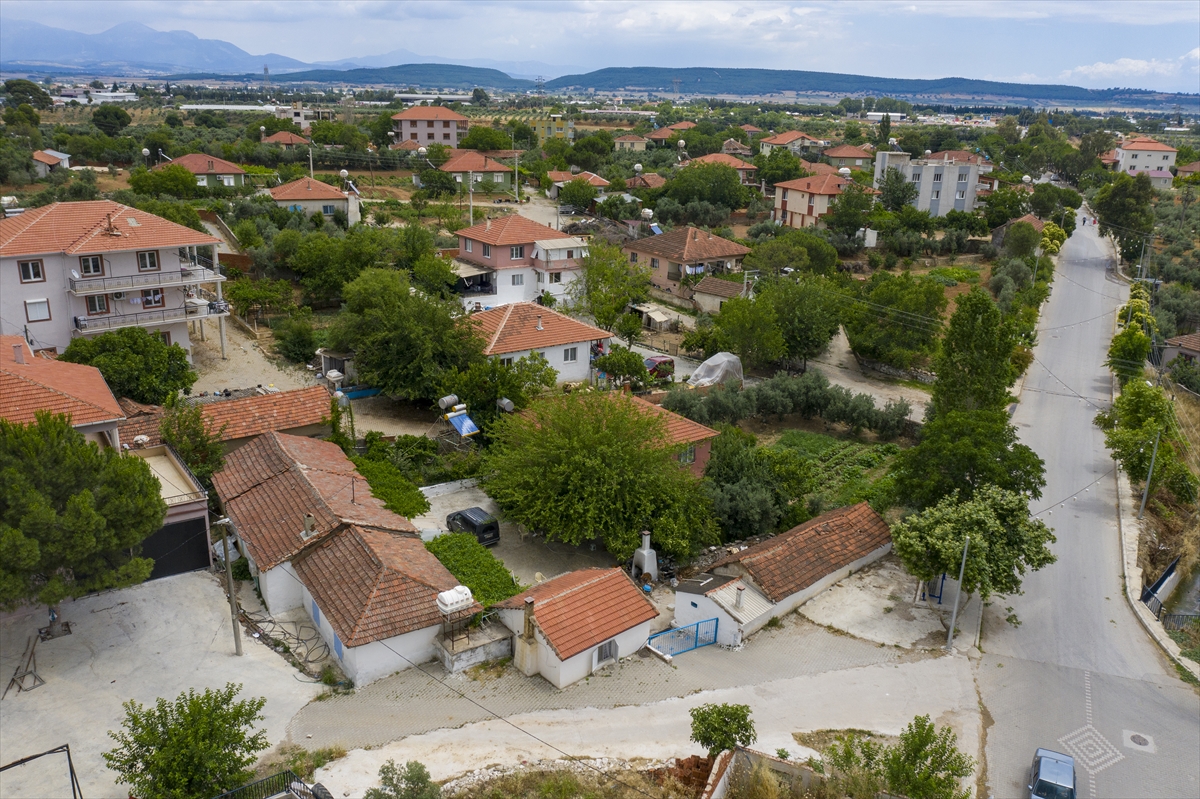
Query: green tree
(712, 183)
(721, 727)
(796, 250)
(410, 782)
(607, 284)
(848, 213)
(480, 98)
(111, 119)
(1125, 214)
(1127, 354)
(1021, 240)
(896, 191)
(406, 343)
(22, 114)
(1005, 540)
(578, 193)
(1005, 204)
(486, 381)
(973, 366)
(26, 92)
(72, 515)
(194, 747)
(885, 130)
(170, 179)
(269, 296)
(437, 183)
(596, 465)
(481, 137)
(898, 320)
(779, 166)
(623, 365)
(1139, 416)
(926, 763)
(963, 451)
(807, 313)
(185, 429)
(135, 363)
(749, 328)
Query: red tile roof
(718, 287)
(91, 227)
(688, 245)
(268, 485)
(43, 384)
(793, 561)
(202, 164)
(750, 129)
(680, 429)
(1189, 169)
(646, 180)
(407, 144)
(46, 158)
(962, 156)
(306, 189)
(846, 151)
(630, 137)
(514, 328)
(787, 137)
(567, 177)
(513, 229)
(830, 184)
(722, 158)
(818, 167)
(241, 417)
(581, 609)
(285, 137)
(1189, 341)
(1038, 224)
(473, 161)
(373, 585)
(427, 112)
(1144, 143)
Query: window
(429, 124)
(517, 252)
(937, 177)
(537, 276)
(506, 361)
(1133, 157)
(556, 277)
(298, 208)
(467, 245)
(37, 310)
(414, 136)
(446, 137)
(688, 456)
(163, 336)
(31, 271)
(605, 652)
(916, 178)
(152, 298)
(227, 180)
(1166, 158)
(962, 177)
(936, 194)
(570, 254)
(570, 355)
(487, 251)
(785, 191)
(327, 210)
(337, 642)
(633, 257)
(201, 180)
(91, 265)
(147, 261)
(654, 263)
(518, 280)
(97, 304)
(961, 194)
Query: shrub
(721, 727)
(474, 565)
(295, 338)
(398, 494)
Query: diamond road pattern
(1090, 749)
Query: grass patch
(390, 485)
(613, 784)
(821, 739)
(957, 274)
(475, 566)
(300, 761)
(1189, 641)
(488, 670)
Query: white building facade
(944, 184)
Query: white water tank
(456, 599)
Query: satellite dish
(74, 274)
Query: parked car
(1051, 776)
(476, 521)
(660, 367)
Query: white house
(82, 268)
(309, 196)
(1143, 154)
(577, 624)
(514, 259)
(513, 331)
(791, 568)
(739, 608)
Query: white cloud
(1131, 68)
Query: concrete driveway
(154, 640)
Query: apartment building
(947, 181)
(83, 268)
(430, 124)
(553, 126)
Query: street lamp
(146, 154)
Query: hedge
(398, 493)
(474, 566)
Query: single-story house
(182, 543)
(738, 607)
(646, 180)
(486, 173)
(558, 179)
(513, 331)
(817, 167)
(713, 292)
(693, 439)
(746, 172)
(209, 170)
(309, 196)
(237, 418)
(46, 161)
(32, 382)
(735, 147)
(999, 233)
(684, 251)
(576, 624)
(286, 139)
(1185, 346)
(1187, 170)
(1160, 178)
(791, 568)
(662, 135)
(849, 156)
(631, 142)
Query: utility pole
(233, 614)
(310, 165)
(957, 595)
(1146, 490)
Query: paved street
(1079, 674)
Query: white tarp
(724, 367)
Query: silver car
(1052, 776)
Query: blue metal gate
(685, 639)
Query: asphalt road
(1079, 674)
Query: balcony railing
(188, 274)
(193, 310)
(282, 785)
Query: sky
(1150, 44)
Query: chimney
(19, 353)
(695, 235)
(210, 166)
(539, 324)
(529, 617)
(487, 225)
(310, 525)
(737, 603)
(646, 540)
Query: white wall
(348, 206)
(691, 608)
(280, 587)
(561, 673)
(568, 371)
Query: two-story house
(803, 201)
(209, 170)
(309, 196)
(946, 181)
(684, 251)
(522, 328)
(664, 134)
(514, 259)
(1142, 154)
(796, 141)
(630, 142)
(82, 268)
(747, 173)
(472, 166)
(430, 124)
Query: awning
(662, 317)
(464, 269)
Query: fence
(283, 785)
(685, 639)
(1178, 621)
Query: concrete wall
(568, 371)
(1145, 160)
(691, 608)
(280, 587)
(709, 303)
(447, 132)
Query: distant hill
(709, 81)
(430, 76)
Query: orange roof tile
(241, 417)
(819, 184)
(407, 144)
(1189, 341)
(428, 112)
(680, 429)
(473, 161)
(268, 485)
(846, 151)
(962, 156)
(374, 585)
(818, 167)
(43, 384)
(750, 129)
(1188, 169)
(202, 164)
(306, 189)
(722, 158)
(1038, 224)
(646, 180)
(787, 137)
(84, 227)
(630, 137)
(581, 609)
(566, 177)
(285, 137)
(792, 561)
(514, 328)
(46, 158)
(1144, 143)
(513, 229)
(687, 245)
(718, 287)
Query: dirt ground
(246, 366)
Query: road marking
(1090, 749)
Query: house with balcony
(802, 202)
(514, 259)
(209, 170)
(472, 167)
(519, 329)
(552, 126)
(83, 268)
(946, 181)
(430, 124)
(1143, 154)
(747, 173)
(685, 251)
(309, 196)
(798, 142)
